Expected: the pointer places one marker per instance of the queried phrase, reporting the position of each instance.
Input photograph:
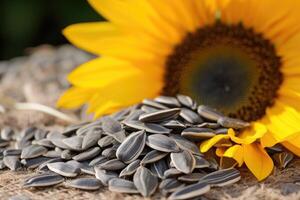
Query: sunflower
(239, 56)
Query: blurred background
(29, 23)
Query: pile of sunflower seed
(147, 148)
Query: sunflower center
(228, 67)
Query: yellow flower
(240, 56)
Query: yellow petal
(220, 151)
(284, 121)
(289, 97)
(75, 97)
(100, 72)
(268, 140)
(86, 35)
(294, 149)
(257, 160)
(249, 135)
(235, 152)
(206, 145)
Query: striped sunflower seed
(198, 134)
(105, 141)
(12, 152)
(75, 142)
(148, 127)
(153, 156)
(209, 113)
(88, 154)
(33, 151)
(222, 177)
(104, 176)
(33, 163)
(190, 116)
(44, 142)
(174, 124)
(193, 177)
(7, 133)
(184, 161)
(43, 166)
(98, 160)
(185, 144)
(149, 109)
(91, 138)
(122, 186)
(158, 168)
(170, 185)
(201, 162)
(110, 125)
(43, 180)
(159, 116)
(172, 172)
(109, 153)
(130, 169)
(132, 147)
(113, 165)
(162, 143)
(190, 191)
(64, 169)
(84, 183)
(168, 101)
(228, 122)
(283, 159)
(12, 162)
(154, 104)
(145, 182)
(187, 101)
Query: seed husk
(190, 191)
(153, 156)
(75, 142)
(44, 142)
(145, 182)
(130, 169)
(209, 113)
(158, 168)
(105, 141)
(110, 125)
(98, 160)
(84, 183)
(170, 185)
(222, 177)
(109, 153)
(160, 115)
(187, 101)
(43, 166)
(162, 143)
(154, 104)
(184, 161)
(33, 163)
(201, 162)
(149, 109)
(33, 151)
(174, 124)
(88, 154)
(168, 101)
(198, 134)
(172, 172)
(185, 144)
(67, 154)
(91, 139)
(12, 162)
(64, 169)
(104, 176)
(122, 186)
(148, 127)
(228, 122)
(190, 116)
(43, 180)
(193, 177)
(12, 152)
(113, 165)
(7, 133)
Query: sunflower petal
(75, 97)
(235, 152)
(284, 121)
(248, 135)
(257, 160)
(293, 148)
(206, 145)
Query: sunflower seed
(7, 133)
(40, 134)
(44, 142)
(67, 154)
(173, 124)
(130, 169)
(52, 154)
(113, 165)
(154, 104)
(162, 143)
(222, 177)
(184, 161)
(168, 101)
(28, 133)
(185, 144)
(88, 154)
(110, 125)
(12, 152)
(193, 177)
(201, 162)
(145, 181)
(43, 180)
(33, 151)
(153, 156)
(186, 101)
(158, 168)
(172, 172)
(12, 162)
(209, 113)
(190, 191)
(75, 142)
(64, 169)
(98, 160)
(190, 116)
(198, 134)
(132, 147)
(221, 131)
(170, 185)
(33, 163)
(228, 122)
(148, 127)
(85, 168)
(84, 184)
(149, 109)
(91, 139)
(43, 166)
(122, 186)
(160, 115)
(105, 141)
(104, 176)
(283, 159)
(212, 125)
(109, 153)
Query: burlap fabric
(40, 77)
